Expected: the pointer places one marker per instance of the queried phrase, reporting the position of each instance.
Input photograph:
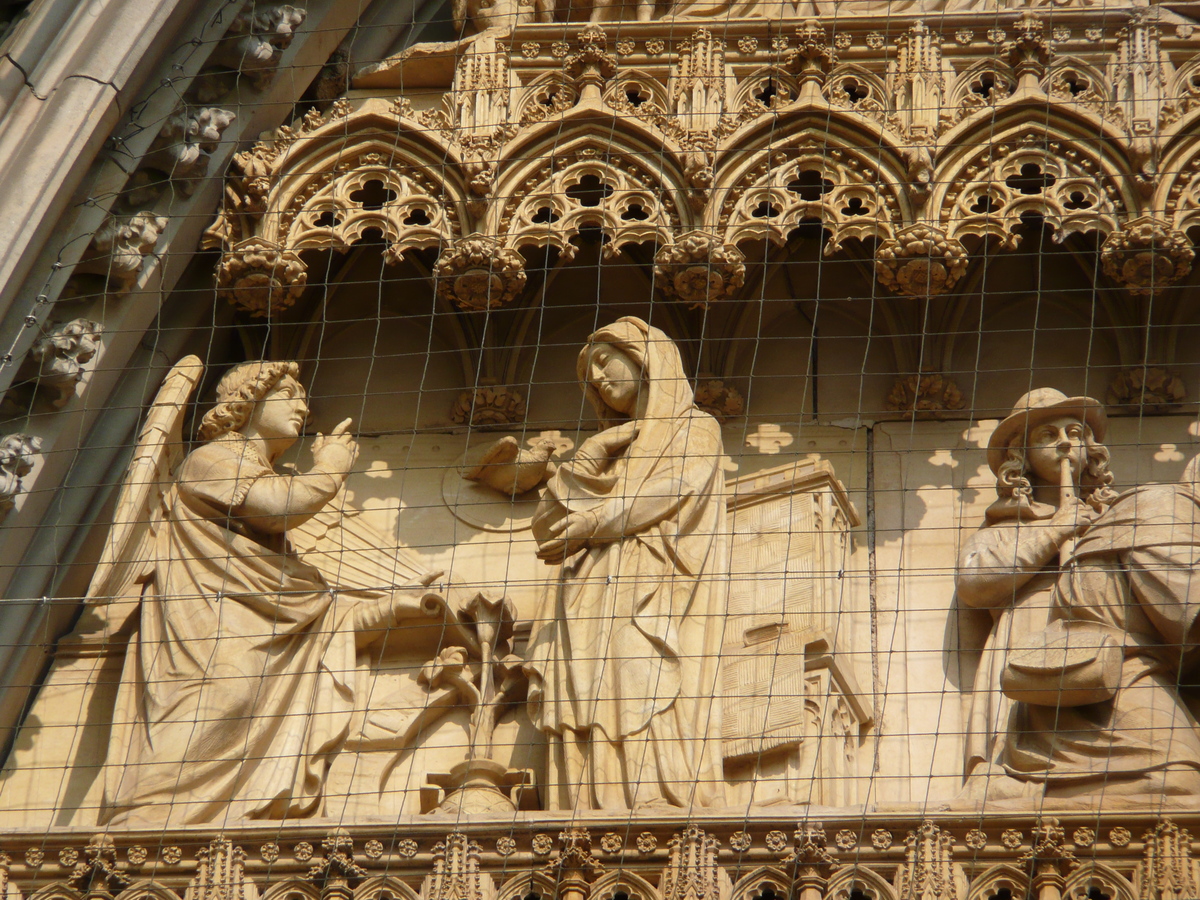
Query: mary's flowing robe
(623, 667)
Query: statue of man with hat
(1052, 481)
(1096, 618)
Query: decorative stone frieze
(478, 273)
(1146, 255)
(699, 269)
(920, 262)
(812, 58)
(1028, 52)
(1147, 389)
(16, 461)
(574, 862)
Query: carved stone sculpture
(623, 668)
(54, 366)
(1095, 621)
(1052, 478)
(121, 246)
(182, 149)
(16, 461)
(238, 686)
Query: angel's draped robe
(238, 682)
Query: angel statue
(238, 686)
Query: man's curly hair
(238, 391)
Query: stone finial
(692, 872)
(1150, 389)
(56, 361)
(188, 139)
(1146, 256)
(721, 401)
(591, 65)
(337, 873)
(121, 246)
(698, 269)
(221, 873)
(260, 278)
(1029, 51)
(810, 851)
(575, 860)
(98, 870)
(919, 86)
(1167, 870)
(928, 870)
(16, 461)
(920, 262)
(929, 393)
(698, 83)
(1048, 856)
(479, 273)
(456, 871)
(813, 57)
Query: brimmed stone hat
(1038, 406)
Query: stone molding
(1130, 856)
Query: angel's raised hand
(337, 451)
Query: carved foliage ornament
(925, 393)
(699, 269)
(1148, 388)
(1146, 256)
(478, 273)
(920, 262)
(16, 461)
(261, 279)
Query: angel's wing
(127, 553)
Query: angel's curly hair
(238, 391)
(1095, 484)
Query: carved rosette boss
(1146, 256)
(260, 278)
(920, 262)
(699, 269)
(479, 273)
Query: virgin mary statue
(623, 665)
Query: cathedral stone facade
(527, 449)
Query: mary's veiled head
(609, 360)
